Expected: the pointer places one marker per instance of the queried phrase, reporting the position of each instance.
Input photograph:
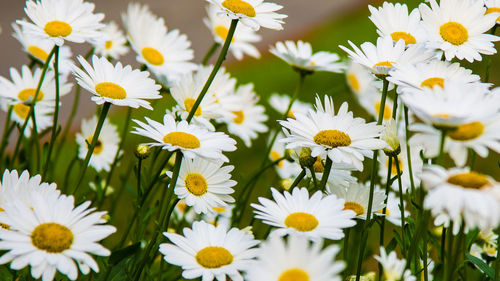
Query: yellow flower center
(275, 155)
(222, 32)
(189, 103)
(182, 206)
(240, 116)
(110, 90)
(454, 33)
(432, 82)
(214, 257)
(441, 115)
(302, 222)
(25, 94)
(38, 52)
(98, 145)
(182, 139)
(58, 29)
(291, 114)
(354, 206)
(471, 180)
(353, 82)
(108, 44)
(21, 110)
(196, 184)
(467, 132)
(407, 37)
(152, 56)
(493, 10)
(387, 110)
(239, 7)
(52, 237)
(383, 63)
(394, 170)
(219, 209)
(294, 274)
(381, 211)
(318, 165)
(332, 138)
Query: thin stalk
(298, 179)
(382, 224)
(56, 112)
(440, 158)
(210, 53)
(36, 142)
(448, 265)
(401, 203)
(326, 174)
(408, 152)
(488, 59)
(497, 260)
(95, 137)
(313, 176)
(222, 57)
(443, 244)
(6, 133)
(32, 107)
(346, 243)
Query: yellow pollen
(275, 155)
(38, 52)
(433, 82)
(182, 139)
(152, 56)
(407, 37)
(471, 180)
(110, 90)
(58, 29)
(196, 184)
(222, 32)
(318, 165)
(332, 138)
(354, 206)
(302, 222)
(240, 116)
(108, 44)
(219, 209)
(312, 63)
(294, 274)
(493, 10)
(25, 94)
(467, 132)
(189, 103)
(291, 114)
(454, 33)
(383, 63)
(52, 237)
(181, 206)
(98, 145)
(353, 82)
(21, 110)
(239, 7)
(387, 110)
(214, 257)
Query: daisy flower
(296, 214)
(459, 194)
(359, 79)
(300, 56)
(114, 45)
(370, 101)
(204, 184)
(252, 13)
(52, 235)
(458, 28)
(394, 268)
(242, 40)
(392, 211)
(356, 198)
(285, 169)
(210, 251)
(20, 112)
(117, 84)
(192, 140)
(295, 259)
(342, 137)
(280, 104)
(165, 53)
(106, 146)
(381, 58)
(220, 215)
(493, 7)
(63, 20)
(393, 20)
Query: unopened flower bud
(390, 136)
(286, 183)
(305, 158)
(142, 151)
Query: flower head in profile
(394, 268)
(300, 56)
(356, 198)
(63, 20)
(211, 252)
(119, 85)
(252, 13)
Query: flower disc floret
(467, 131)
(110, 90)
(58, 29)
(214, 257)
(182, 139)
(471, 180)
(52, 237)
(152, 56)
(407, 37)
(356, 207)
(294, 274)
(432, 82)
(239, 7)
(454, 33)
(332, 138)
(301, 221)
(196, 184)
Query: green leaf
(486, 269)
(123, 253)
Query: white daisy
(393, 20)
(356, 198)
(210, 252)
(297, 259)
(204, 184)
(43, 115)
(285, 169)
(114, 43)
(63, 20)
(342, 137)
(370, 101)
(243, 36)
(252, 13)
(394, 268)
(280, 104)
(296, 214)
(359, 79)
(52, 235)
(192, 140)
(300, 56)
(165, 53)
(106, 146)
(458, 28)
(117, 84)
(493, 7)
(461, 195)
(220, 215)
(393, 212)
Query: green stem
(408, 151)
(36, 142)
(382, 224)
(222, 57)
(440, 158)
(95, 137)
(497, 260)
(448, 266)
(32, 107)
(210, 53)
(326, 174)
(401, 203)
(298, 179)
(313, 176)
(56, 112)
(488, 59)
(6, 134)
